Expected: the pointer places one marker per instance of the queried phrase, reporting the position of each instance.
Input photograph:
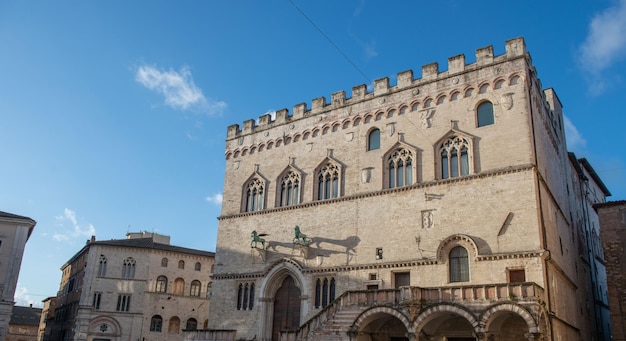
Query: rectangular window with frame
(402, 279)
(517, 275)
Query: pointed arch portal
(286, 308)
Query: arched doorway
(451, 326)
(446, 322)
(382, 324)
(508, 326)
(286, 308)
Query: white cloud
(74, 230)
(575, 140)
(605, 44)
(370, 49)
(215, 199)
(270, 112)
(178, 89)
(22, 298)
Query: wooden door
(286, 308)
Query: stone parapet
(515, 48)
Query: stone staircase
(335, 321)
(337, 328)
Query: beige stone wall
(493, 145)
(145, 302)
(515, 210)
(613, 222)
(14, 233)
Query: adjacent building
(47, 316)
(138, 288)
(24, 325)
(445, 207)
(14, 233)
(613, 232)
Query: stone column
(534, 336)
(484, 336)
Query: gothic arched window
(102, 266)
(324, 291)
(289, 191)
(328, 181)
(400, 168)
(454, 153)
(128, 268)
(255, 195)
(245, 296)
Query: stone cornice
(386, 265)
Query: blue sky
(114, 113)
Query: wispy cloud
(74, 230)
(605, 45)
(215, 199)
(178, 89)
(270, 112)
(359, 9)
(23, 298)
(575, 141)
(370, 49)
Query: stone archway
(509, 322)
(381, 324)
(284, 279)
(104, 328)
(447, 322)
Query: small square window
(517, 276)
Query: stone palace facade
(445, 207)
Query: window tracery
(454, 154)
(128, 268)
(328, 181)
(289, 191)
(255, 195)
(102, 266)
(400, 168)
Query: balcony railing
(526, 292)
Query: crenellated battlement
(514, 48)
